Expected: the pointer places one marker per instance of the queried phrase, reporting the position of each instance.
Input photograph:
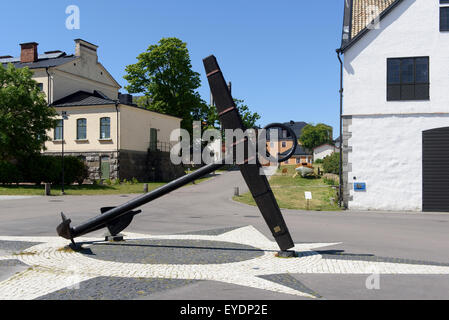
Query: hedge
(9, 173)
(37, 169)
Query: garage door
(436, 170)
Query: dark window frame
(108, 126)
(58, 131)
(444, 28)
(78, 126)
(402, 86)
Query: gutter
(48, 86)
(117, 134)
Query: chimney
(125, 98)
(28, 52)
(85, 49)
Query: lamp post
(64, 117)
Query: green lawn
(85, 189)
(289, 192)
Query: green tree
(314, 136)
(331, 163)
(249, 118)
(24, 114)
(164, 75)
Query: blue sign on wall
(359, 186)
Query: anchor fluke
(64, 230)
(117, 225)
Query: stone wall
(160, 167)
(93, 162)
(133, 164)
(148, 166)
(346, 165)
(144, 166)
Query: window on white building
(444, 16)
(408, 79)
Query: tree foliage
(24, 114)
(164, 75)
(331, 163)
(314, 136)
(249, 118)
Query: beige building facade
(114, 137)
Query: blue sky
(279, 55)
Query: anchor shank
(96, 222)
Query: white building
(396, 105)
(323, 151)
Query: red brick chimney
(28, 52)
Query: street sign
(308, 195)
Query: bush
(38, 168)
(9, 173)
(318, 161)
(331, 163)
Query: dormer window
(408, 79)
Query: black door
(436, 170)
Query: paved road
(208, 206)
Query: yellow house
(113, 136)
(285, 143)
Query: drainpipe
(117, 134)
(340, 197)
(48, 85)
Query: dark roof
(83, 98)
(299, 151)
(97, 98)
(358, 15)
(296, 126)
(44, 61)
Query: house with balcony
(114, 137)
(395, 105)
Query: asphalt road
(206, 206)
